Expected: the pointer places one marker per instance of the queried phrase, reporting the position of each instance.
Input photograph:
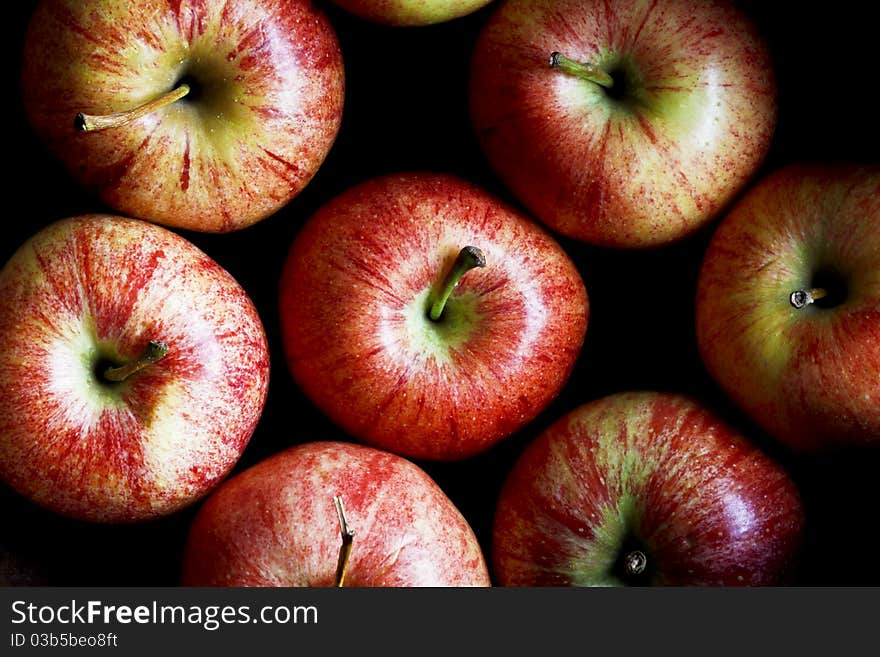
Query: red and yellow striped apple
(410, 13)
(426, 317)
(207, 116)
(645, 488)
(788, 305)
(624, 124)
(134, 370)
(276, 524)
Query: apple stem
(155, 351)
(345, 549)
(92, 122)
(468, 258)
(803, 298)
(635, 562)
(588, 72)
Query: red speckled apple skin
(96, 289)
(646, 171)
(359, 344)
(265, 109)
(706, 506)
(275, 524)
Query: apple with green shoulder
(645, 488)
(409, 13)
(623, 124)
(328, 513)
(134, 370)
(788, 305)
(207, 116)
(426, 317)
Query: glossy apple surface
(685, 123)
(403, 13)
(645, 479)
(264, 108)
(87, 294)
(354, 301)
(275, 524)
(808, 374)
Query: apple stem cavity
(803, 298)
(635, 563)
(155, 351)
(588, 72)
(345, 549)
(468, 258)
(93, 122)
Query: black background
(406, 109)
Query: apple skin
(94, 289)
(647, 470)
(410, 13)
(642, 171)
(811, 376)
(353, 307)
(268, 110)
(275, 524)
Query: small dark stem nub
(803, 298)
(345, 548)
(635, 562)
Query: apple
(207, 116)
(426, 317)
(645, 488)
(401, 13)
(332, 513)
(625, 124)
(134, 370)
(788, 305)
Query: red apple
(276, 524)
(134, 370)
(645, 488)
(390, 335)
(788, 305)
(401, 13)
(219, 112)
(624, 124)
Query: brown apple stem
(468, 258)
(345, 549)
(92, 122)
(155, 351)
(588, 72)
(635, 563)
(803, 298)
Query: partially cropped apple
(645, 488)
(623, 124)
(134, 370)
(332, 513)
(426, 317)
(402, 13)
(208, 116)
(788, 305)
